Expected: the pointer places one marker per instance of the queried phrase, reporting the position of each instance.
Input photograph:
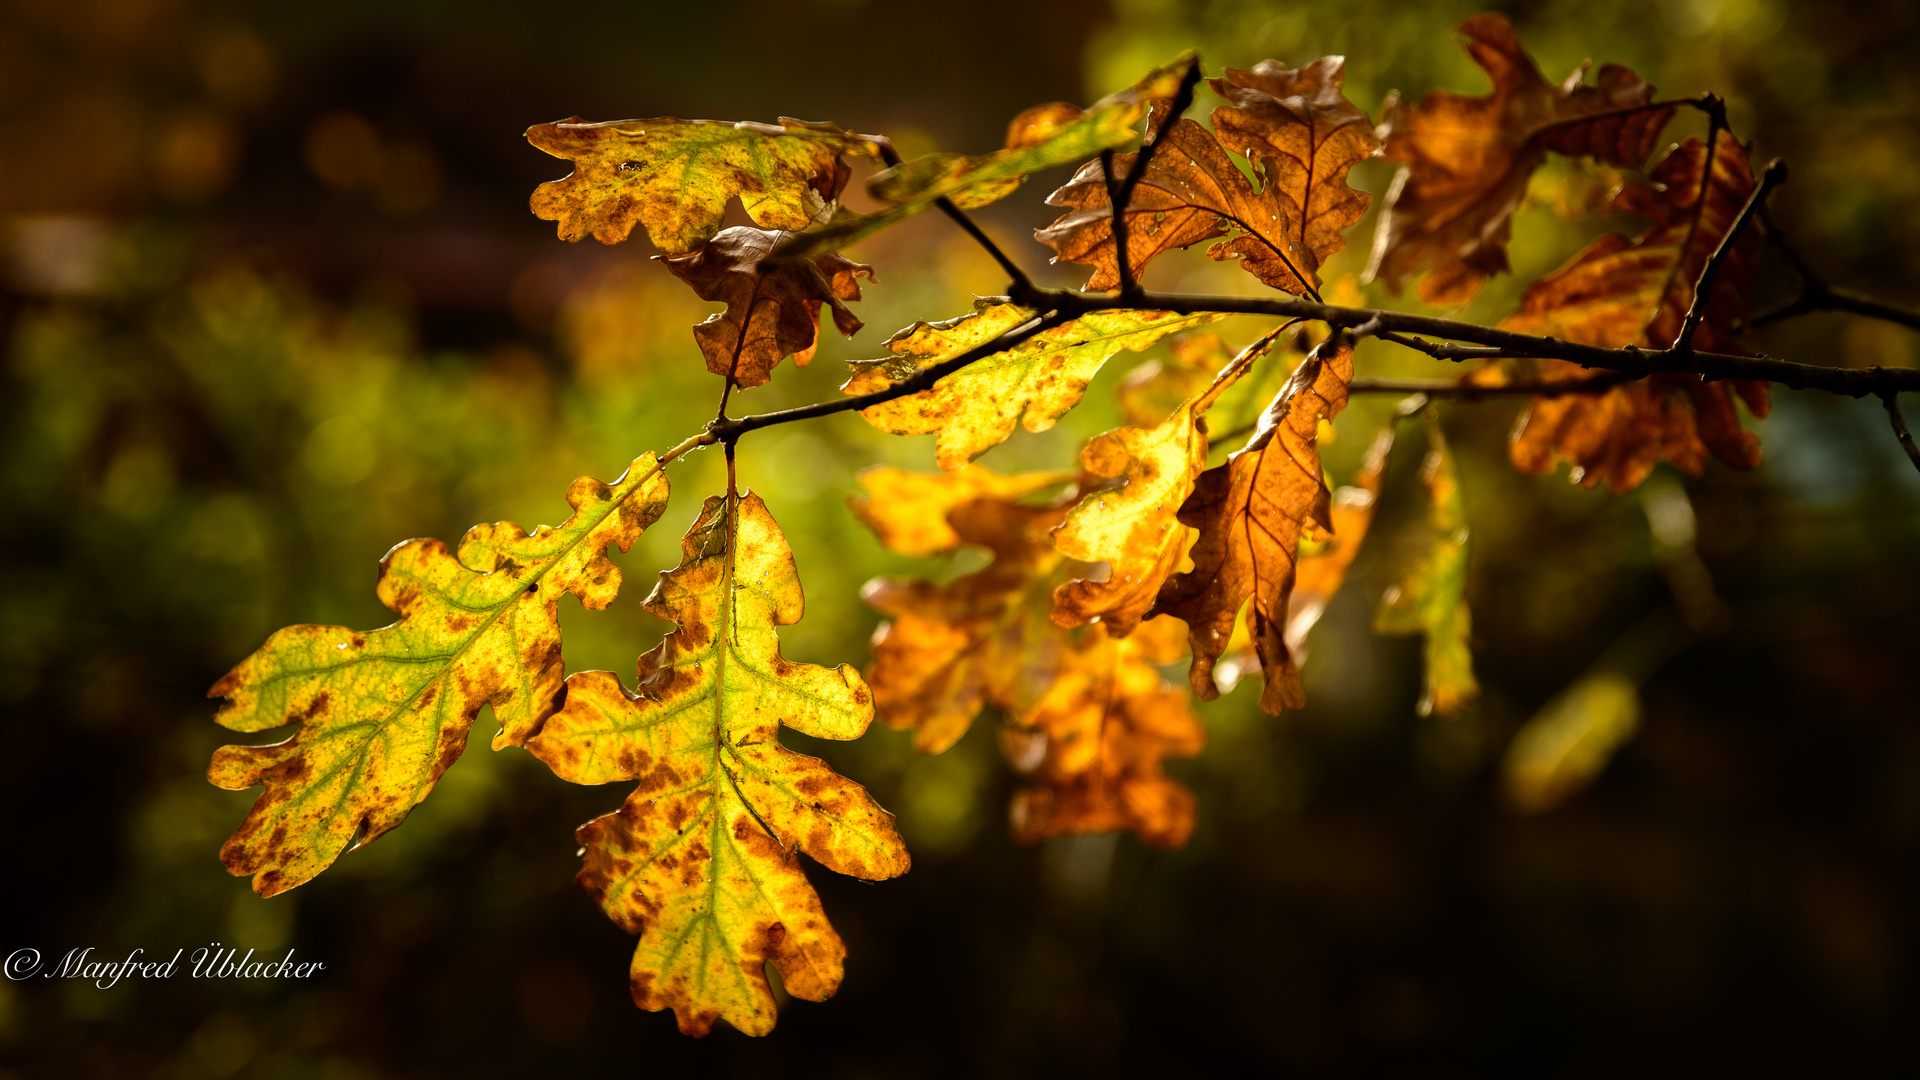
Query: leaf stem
(1120, 192)
(1019, 277)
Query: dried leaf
(383, 713)
(1567, 744)
(1301, 135)
(908, 510)
(1468, 159)
(701, 860)
(773, 305)
(1033, 383)
(1099, 735)
(1622, 292)
(1040, 138)
(1251, 513)
(1133, 528)
(674, 177)
(1430, 598)
(949, 650)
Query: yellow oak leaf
(908, 510)
(701, 861)
(384, 713)
(1033, 383)
(674, 177)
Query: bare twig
(1817, 295)
(1120, 191)
(1775, 175)
(1890, 399)
(726, 430)
(1443, 388)
(1015, 274)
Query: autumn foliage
(1155, 551)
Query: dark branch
(1442, 388)
(1817, 295)
(728, 431)
(1890, 399)
(1018, 276)
(1630, 361)
(1775, 175)
(1120, 193)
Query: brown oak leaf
(1621, 292)
(1094, 743)
(949, 650)
(1301, 135)
(773, 305)
(1468, 159)
(1252, 512)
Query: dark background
(273, 301)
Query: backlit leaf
(1251, 513)
(773, 305)
(1133, 528)
(1621, 292)
(702, 859)
(1468, 159)
(1033, 383)
(1097, 738)
(908, 510)
(383, 713)
(1042, 137)
(949, 650)
(674, 177)
(1430, 598)
(1301, 136)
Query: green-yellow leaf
(1035, 382)
(674, 177)
(1430, 598)
(383, 713)
(1040, 138)
(1570, 740)
(701, 861)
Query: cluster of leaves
(1099, 578)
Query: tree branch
(1817, 295)
(1775, 175)
(729, 431)
(1889, 398)
(1019, 277)
(1443, 388)
(1120, 193)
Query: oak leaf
(773, 305)
(1097, 738)
(907, 511)
(384, 713)
(1468, 159)
(1621, 292)
(1152, 390)
(1040, 138)
(1132, 528)
(1301, 136)
(1430, 598)
(948, 650)
(674, 177)
(1252, 512)
(701, 860)
(1033, 383)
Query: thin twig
(1775, 175)
(1890, 398)
(1120, 193)
(1019, 277)
(730, 430)
(1443, 388)
(1817, 295)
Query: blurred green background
(273, 302)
